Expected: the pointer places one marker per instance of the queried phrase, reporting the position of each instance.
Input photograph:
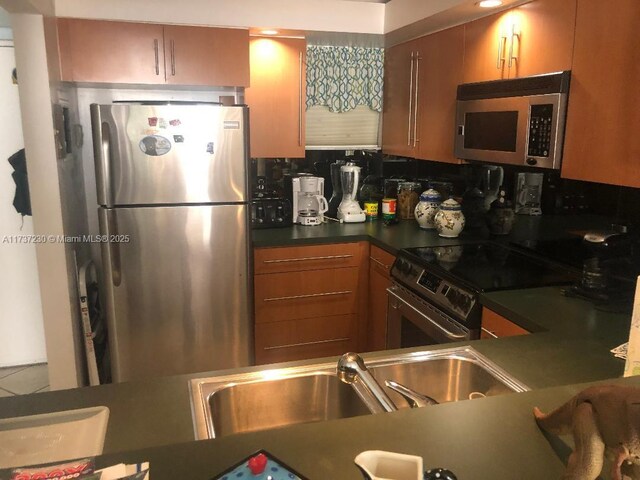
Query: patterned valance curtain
(342, 78)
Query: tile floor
(24, 379)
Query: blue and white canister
(449, 220)
(427, 208)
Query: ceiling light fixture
(269, 32)
(490, 3)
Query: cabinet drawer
(312, 257)
(306, 338)
(294, 295)
(380, 260)
(494, 325)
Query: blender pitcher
(349, 210)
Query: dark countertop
(407, 234)
(151, 420)
(494, 437)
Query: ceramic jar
(449, 219)
(501, 217)
(427, 208)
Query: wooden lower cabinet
(310, 301)
(495, 325)
(294, 295)
(305, 338)
(380, 263)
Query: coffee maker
(528, 193)
(309, 204)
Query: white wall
(61, 333)
(320, 15)
(21, 325)
(400, 13)
(5, 30)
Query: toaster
(271, 213)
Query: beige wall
(320, 15)
(21, 325)
(53, 262)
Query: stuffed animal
(603, 420)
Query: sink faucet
(352, 370)
(413, 398)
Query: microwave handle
(461, 130)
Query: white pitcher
(382, 465)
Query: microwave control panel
(540, 134)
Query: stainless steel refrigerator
(173, 204)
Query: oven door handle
(448, 333)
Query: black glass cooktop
(621, 261)
(488, 266)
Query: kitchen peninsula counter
(571, 347)
(494, 437)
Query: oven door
(412, 322)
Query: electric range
(446, 281)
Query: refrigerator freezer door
(178, 289)
(170, 154)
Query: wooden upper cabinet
(111, 52)
(100, 51)
(206, 56)
(601, 143)
(546, 37)
(399, 99)
(439, 74)
(532, 39)
(485, 50)
(277, 96)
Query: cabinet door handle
(410, 103)
(173, 57)
(489, 332)
(386, 267)
(502, 42)
(310, 295)
(514, 35)
(304, 259)
(157, 55)
(305, 344)
(300, 113)
(415, 104)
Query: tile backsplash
(559, 196)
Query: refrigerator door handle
(114, 247)
(105, 161)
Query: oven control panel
(435, 289)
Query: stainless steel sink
(271, 398)
(446, 376)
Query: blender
(309, 204)
(349, 210)
(336, 196)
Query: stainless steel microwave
(518, 122)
